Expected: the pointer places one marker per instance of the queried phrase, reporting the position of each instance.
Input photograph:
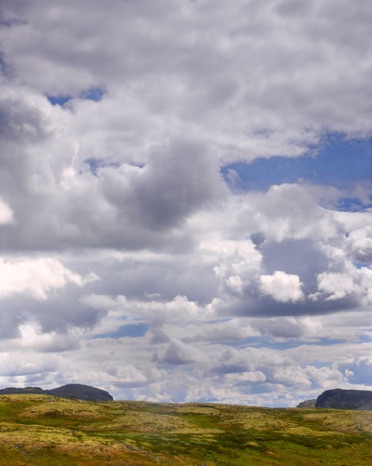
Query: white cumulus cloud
(282, 287)
(36, 277)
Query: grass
(43, 430)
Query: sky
(186, 198)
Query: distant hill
(307, 404)
(345, 399)
(72, 390)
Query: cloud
(36, 277)
(119, 133)
(34, 339)
(178, 180)
(287, 211)
(174, 66)
(323, 378)
(289, 327)
(246, 378)
(134, 207)
(6, 214)
(360, 244)
(235, 283)
(336, 285)
(176, 352)
(282, 287)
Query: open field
(47, 431)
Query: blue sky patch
(287, 343)
(129, 330)
(340, 162)
(95, 93)
(95, 164)
(352, 204)
(59, 99)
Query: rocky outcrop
(307, 404)
(345, 399)
(73, 391)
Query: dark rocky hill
(345, 399)
(73, 390)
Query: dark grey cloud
(175, 353)
(9, 320)
(178, 180)
(255, 305)
(128, 207)
(19, 121)
(300, 257)
(59, 313)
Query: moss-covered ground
(47, 431)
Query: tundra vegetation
(44, 430)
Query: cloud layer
(131, 256)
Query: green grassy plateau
(43, 430)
